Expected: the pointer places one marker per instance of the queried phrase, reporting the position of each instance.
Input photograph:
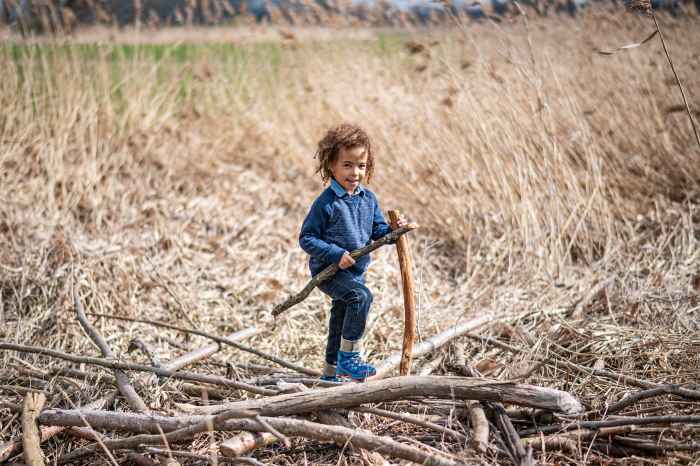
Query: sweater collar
(341, 192)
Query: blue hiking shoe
(351, 365)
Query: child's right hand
(346, 261)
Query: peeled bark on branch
(399, 388)
(33, 403)
(246, 442)
(329, 271)
(181, 375)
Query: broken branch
(329, 271)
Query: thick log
(432, 343)
(292, 427)
(329, 271)
(181, 375)
(399, 388)
(409, 296)
(33, 404)
(123, 384)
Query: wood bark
(123, 384)
(432, 343)
(181, 375)
(31, 439)
(398, 388)
(329, 271)
(409, 297)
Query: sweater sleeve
(379, 226)
(310, 237)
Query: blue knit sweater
(338, 222)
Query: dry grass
(173, 180)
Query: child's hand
(401, 221)
(346, 261)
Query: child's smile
(350, 167)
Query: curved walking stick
(409, 298)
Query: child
(345, 217)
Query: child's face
(350, 167)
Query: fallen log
(213, 459)
(31, 440)
(329, 271)
(181, 375)
(397, 388)
(290, 427)
(431, 344)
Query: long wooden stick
(432, 343)
(329, 271)
(181, 375)
(225, 341)
(409, 298)
(398, 388)
(33, 404)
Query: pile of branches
(261, 414)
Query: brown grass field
(557, 190)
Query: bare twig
(181, 375)
(125, 387)
(226, 341)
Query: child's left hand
(401, 221)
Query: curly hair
(345, 136)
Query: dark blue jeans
(351, 303)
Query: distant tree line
(30, 16)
